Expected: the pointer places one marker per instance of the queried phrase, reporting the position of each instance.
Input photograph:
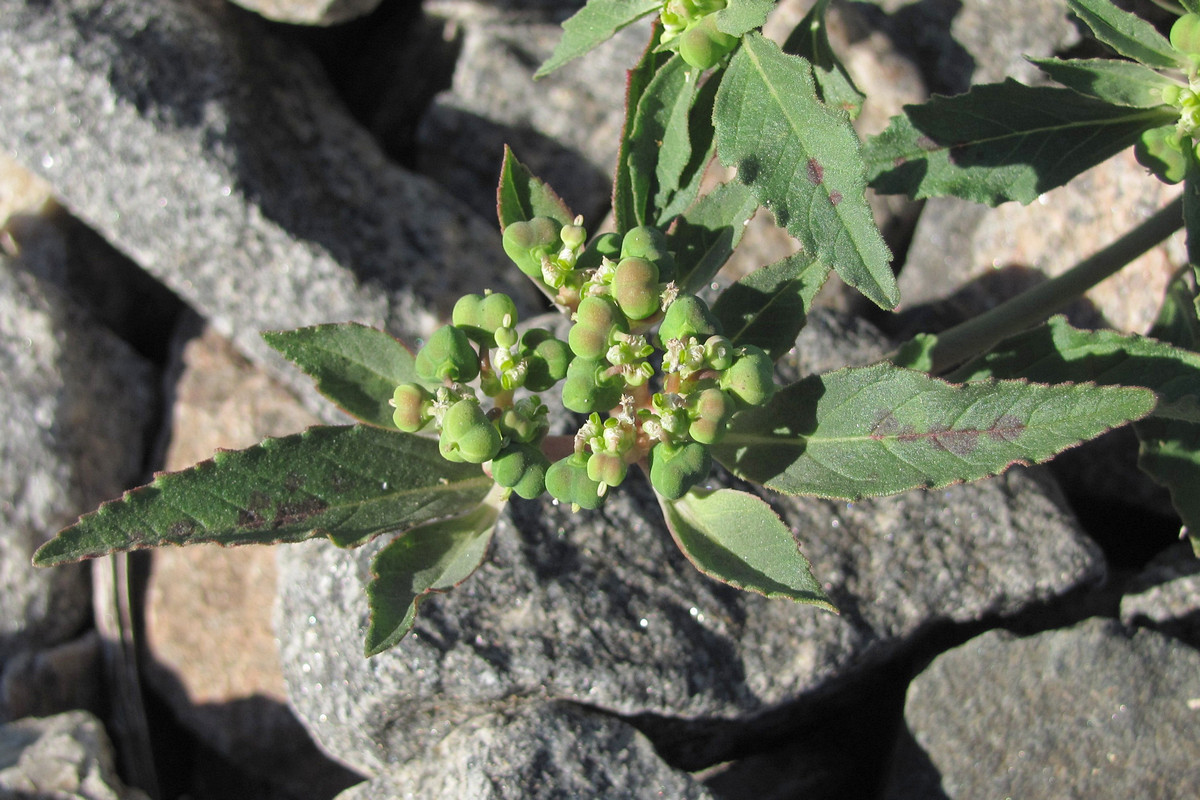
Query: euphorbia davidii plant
(663, 382)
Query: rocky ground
(177, 176)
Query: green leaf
(432, 558)
(1128, 34)
(703, 147)
(882, 429)
(356, 366)
(1191, 213)
(1170, 454)
(660, 146)
(1059, 352)
(592, 25)
(1190, 6)
(627, 213)
(345, 483)
(802, 160)
(705, 236)
(1178, 322)
(1122, 83)
(737, 539)
(1001, 141)
(810, 39)
(768, 307)
(521, 196)
(740, 17)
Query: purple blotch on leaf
(816, 173)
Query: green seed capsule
(595, 321)
(547, 359)
(448, 355)
(412, 407)
(1160, 151)
(606, 468)
(675, 469)
(751, 378)
(522, 468)
(703, 46)
(468, 434)
(651, 244)
(606, 245)
(587, 388)
(687, 316)
(467, 311)
(527, 242)
(635, 287)
(567, 481)
(711, 410)
(495, 309)
(1185, 34)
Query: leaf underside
(432, 558)
(882, 430)
(736, 538)
(1122, 83)
(1002, 141)
(802, 160)
(346, 483)
(356, 366)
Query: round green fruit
(595, 321)
(687, 316)
(703, 46)
(447, 355)
(522, 468)
(567, 481)
(467, 434)
(635, 287)
(526, 242)
(1185, 34)
(587, 388)
(675, 469)
(1161, 151)
(547, 359)
(751, 379)
(412, 407)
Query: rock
(565, 127)
(956, 242)
(533, 751)
(72, 425)
(1092, 711)
(208, 608)
(66, 757)
(1166, 596)
(601, 608)
(63, 678)
(310, 12)
(218, 158)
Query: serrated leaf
(703, 147)
(1001, 141)
(705, 236)
(659, 143)
(768, 307)
(345, 483)
(356, 366)
(626, 210)
(432, 558)
(521, 196)
(801, 160)
(1059, 352)
(740, 17)
(810, 39)
(1123, 83)
(1127, 33)
(881, 430)
(736, 538)
(592, 25)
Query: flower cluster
(1168, 150)
(647, 366)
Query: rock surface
(65, 757)
(1091, 711)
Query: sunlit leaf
(705, 236)
(1122, 83)
(768, 307)
(345, 483)
(521, 196)
(628, 211)
(882, 429)
(801, 160)
(1128, 34)
(355, 366)
(660, 143)
(594, 24)
(737, 539)
(810, 39)
(739, 17)
(432, 558)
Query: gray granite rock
(564, 127)
(1093, 711)
(536, 751)
(310, 12)
(64, 757)
(600, 608)
(73, 411)
(1166, 596)
(216, 157)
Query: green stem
(1032, 307)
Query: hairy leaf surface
(344, 483)
(705, 236)
(882, 429)
(1127, 33)
(768, 307)
(626, 210)
(1122, 83)
(737, 539)
(592, 25)
(1002, 141)
(801, 160)
(356, 366)
(521, 196)
(740, 17)
(810, 40)
(660, 147)
(432, 558)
